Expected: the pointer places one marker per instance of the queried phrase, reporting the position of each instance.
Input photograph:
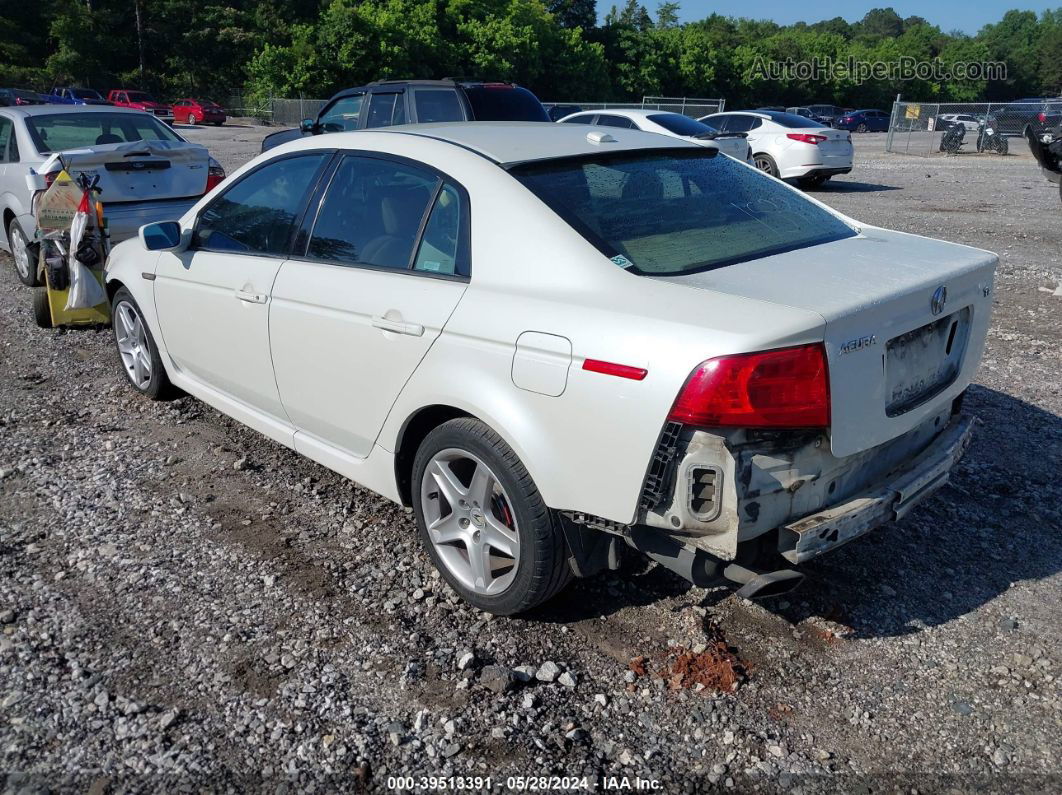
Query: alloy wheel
(20, 252)
(470, 521)
(132, 342)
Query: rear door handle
(251, 297)
(397, 326)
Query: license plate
(924, 362)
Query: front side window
(608, 120)
(372, 213)
(665, 214)
(437, 104)
(343, 114)
(56, 132)
(386, 110)
(256, 215)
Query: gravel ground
(185, 604)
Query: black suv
(386, 103)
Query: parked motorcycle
(989, 139)
(952, 139)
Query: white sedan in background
(551, 342)
(789, 146)
(665, 123)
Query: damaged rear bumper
(907, 487)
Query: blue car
(75, 96)
(864, 121)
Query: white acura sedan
(789, 146)
(554, 343)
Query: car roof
(630, 113)
(509, 143)
(46, 110)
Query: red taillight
(611, 368)
(785, 388)
(215, 175)
(806, 138)
(1041, 116)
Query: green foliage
(312, 48)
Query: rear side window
(580, 119)
(606, 120)
(256, 215)
(7, 137)
(438, 250)
(437, 104)
(372, 213)
(386, 110)
(504, 103)
(665, 214)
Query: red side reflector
(785, 388)
(610, 368)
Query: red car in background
(141, 100)
(198, 111)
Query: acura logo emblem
(940, 297)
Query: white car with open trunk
(554, 343)
(146, 171)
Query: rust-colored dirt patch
(717, 669)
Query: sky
(965, 15)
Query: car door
(342, 115)
(212, 300)
(384, 265)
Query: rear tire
(813, 182)
(191, 119)
(138, 355)
(25, 255)
(504, 557)
(42, 312)
(218, 123)
(766, 164)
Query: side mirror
(308, 126)
(163, 236)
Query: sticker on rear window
(622, 261)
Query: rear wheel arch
(413, 432)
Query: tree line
(311, 48)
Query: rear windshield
(504, 103)
(681, 125)
(85, 93)
(57, 132)
(138, 96)
(675, 212)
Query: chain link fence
(952, 128)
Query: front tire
(766, 164)
(138, 355)
(862, 128)
(24, 254)
(483, 522)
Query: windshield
(85, 93)
(504, 103)
(674, 212)
(681, 125)
(58, 132)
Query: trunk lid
(139, 170)
(836, 147)
(906, 319)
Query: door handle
(251, 297)
(397, 326)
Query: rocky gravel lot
(186, 605)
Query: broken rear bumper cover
(906, 487)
